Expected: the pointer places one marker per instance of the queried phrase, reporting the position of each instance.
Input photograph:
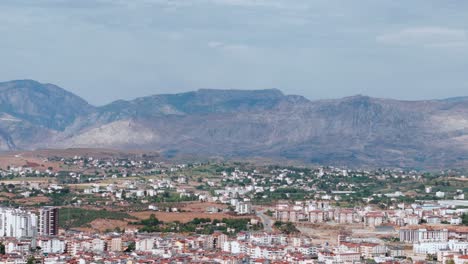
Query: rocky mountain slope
(352, 131)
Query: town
(233, 132)
(143, 209)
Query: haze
(105, 50)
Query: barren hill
(352, 131)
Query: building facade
(48, 221)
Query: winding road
(266, 220)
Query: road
(266, 220)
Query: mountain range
(352, 131)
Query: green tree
(31, 260)
(431, 257)
(465, 219)
(131, 247)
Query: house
(373, 219)
(316, 216)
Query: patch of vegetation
(198, 225)
(269, 213)
(60, 198)
(286, 228)
(286, 193)
(172, 197)
(465, 219)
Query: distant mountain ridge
(41, 104)
(352, 131)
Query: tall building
(243, 208)
(48, 221)
(17, 223)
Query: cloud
(100, 48)
(227, 47)
(250, 3)
(426, 36)
(215, 44)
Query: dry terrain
(191, 210)
(33, 200)
(182, 217)
(26, 159)
(329, 232)
(103, 225)
(201, 207)
(37, 159)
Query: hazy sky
(104, 50)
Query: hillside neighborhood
(233, 132)
(110, 209)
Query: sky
(104, 50)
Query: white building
(98, 245)
(234, 247)
(145, 244)
(429, 247)
(52, 246)
(17, 223)
(243, 208)
(422, 235)
(435, 247)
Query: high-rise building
(243, 208)
(17, 223)
(48, 221)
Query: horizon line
(241, 90)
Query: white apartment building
(17, 223)
(52, 246)
(243, 208)
(145, 244)
(234, 247)
(412, 235)
(435, 247)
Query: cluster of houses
(244, 247)
(78, 166)
(418, 229)
(30, 169)
(443, 242)
(320, 211)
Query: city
(233, 132)
(112, 209)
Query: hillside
(352, 131)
